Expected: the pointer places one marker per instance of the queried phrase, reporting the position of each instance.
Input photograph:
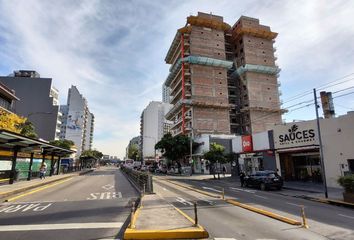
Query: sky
(114, 51)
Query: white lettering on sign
(104, 195)
(37, 207)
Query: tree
(67, 144)
(215, 155)
(28, 130)
(11, 122)
(91, 154)
(133, 152)
(175, 148)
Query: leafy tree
(175, 148)
(28, 130)
(91, 154)
(67, 144)
(215, 155)
(133, 152)
(11, 122)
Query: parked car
(264, 180)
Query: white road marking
(260, 196)
(206, 200)
(212, 189)
(7, 228)
(294, 204)
(225, 239)
(164, 189)
(108, 186)
(243, 190)
(104, 195)
(35, 207)
(346, 216)
(184, 201)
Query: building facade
(78, 121)
(39, 102)
(153, 126)
(7, 98)
(222, 79)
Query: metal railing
(142, 180)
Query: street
(227, 221)
(91, 206)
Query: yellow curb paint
(182, 233)
(37, 190)
(4, 180)
(32, 185)
(265, 213)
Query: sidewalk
(156, 219)
(22, 186)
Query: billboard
(247, 143)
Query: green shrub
(347, 182)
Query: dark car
(264, 180)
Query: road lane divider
(265, 212)
(60, 226)
(37, 190)
(245, 206)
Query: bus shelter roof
(10, 140)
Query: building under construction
(222, 79)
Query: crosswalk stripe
(60, 226)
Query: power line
(343, 90)
(319, 88)
(343, 95)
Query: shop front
(297, 152)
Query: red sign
(247, 143)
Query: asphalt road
(332, 222)
(91, 206)
(225, 221)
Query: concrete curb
(329, 201)
(36, 185)
(245, 206)
(265, 213)
(180, 233)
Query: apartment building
(39, 101)
(222, 79)
(78, 121)
(7, 99)
(153, 126)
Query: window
(217, 35)
(201, 32)
(218, 53)
(220, 72)
(265, 60)
(217, 45)
(261, 42)
(240, 41)
(241, 50)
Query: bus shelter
(21, 157)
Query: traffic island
(156, 219)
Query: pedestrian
(223, 170)
(42, 171)
(242, 178)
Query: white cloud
(114, 51)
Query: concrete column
(30, 168)
(277, 161)
(58, 167)
(13, 167)
(52, 165)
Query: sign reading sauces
(295, 135)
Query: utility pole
(321, 146)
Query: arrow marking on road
(212, 189)
(108, 186)
(184, 201)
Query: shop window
(351, 165)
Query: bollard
(132, 216)
(304, 221)
(223, 194)
(195, 214)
